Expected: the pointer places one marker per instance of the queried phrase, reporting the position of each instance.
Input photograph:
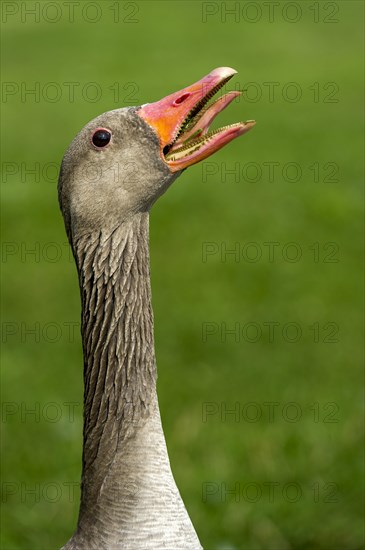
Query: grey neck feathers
(129, 498)
(117, 332)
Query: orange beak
(181, 121)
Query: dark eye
(101, 137)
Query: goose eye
(101, 137)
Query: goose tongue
(181, 121)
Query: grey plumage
(129, 497)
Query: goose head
(123, 160)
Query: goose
(111, 175)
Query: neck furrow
(117, 333)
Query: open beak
(181, 121)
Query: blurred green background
(296, 475)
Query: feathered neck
(129, 497)
(117, 335)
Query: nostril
(180, 99)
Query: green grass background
(168, 48)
